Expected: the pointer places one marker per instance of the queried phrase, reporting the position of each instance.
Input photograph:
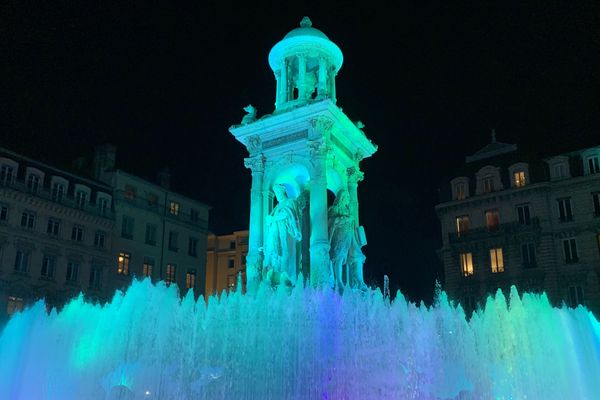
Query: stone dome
(306, 29)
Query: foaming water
(299, 344)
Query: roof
(306, 29)
(491, 150)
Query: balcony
(509, 228)
(66, 200)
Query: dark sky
(164, 82)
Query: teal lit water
(303, 344)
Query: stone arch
(293, 172)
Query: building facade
(508, 219)
(225, 261)
(56, 235)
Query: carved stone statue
(282, 233)
(345, 243)
(250, 115)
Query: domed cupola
(305, 64)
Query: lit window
(460, 190)
(575, 296)
(519, 178)
(496, 260)
(523, 214)
(28, 219)
(570, 250)
(193, 247)
(147, 267)
(15, 304)
(99, 239)
(231, 281)
(528, 255)
(466, 263)
(170, 275)
(77, 233)
(53, 227)
(33, 183)
(174, 208)
(593, 165)
(462, 225)
(123, 263)
(492, 220)
(21, 261)
(81, 199)
(488, 184)
(72, 271)
(95, 281)
(48, 266)
(58, 192)
(564, 209)
(190, 280)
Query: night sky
(164, 83)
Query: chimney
(164, 178)
(104, 161)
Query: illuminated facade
(158, 233)
(508, 219)
(304, 149)
(56, 234)
(225, 261)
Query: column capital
(256, 164)
(253, 144)
(355, 175)
(318, 148)
(322, 123)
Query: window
(33, 183)
(15, 304)
(596, 201)
(103, 206)
(72, 271)
(127, 227)
(53, 227)
(174, 208)
(95, 281)
(190, 280)
(77, 233)
(232, 245)
(194, 216)
(462, 225)
(99, 239)
(570, 250)
(48, 266)
(129, 192)
(6, 175)
(173, 236)
(81, 199)
(147, 267)
(523, 214)
(593, 165)
(193, 247)
(466, 263)
(496, 260)
(3, 213)
(21, 261)
(170, 276)
(492, 220)
(560, 171)
(460, 191)
(231, 281)
(519, 178)
(123, 263)
(151, 234)
(488, 184)
(58, 192)
(231, 262)
(575, 296)
(528, 255)
(28, 219)
(564, 209)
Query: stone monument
(304, 149)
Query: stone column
(282, 94)
(277, 88)
(320, 274)
(322, 88)
(255, 241)
(301, 77)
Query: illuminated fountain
(323, 337)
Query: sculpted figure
(345, 243)
(282, 233)
(250, 115)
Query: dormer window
(488, 180)
(559, 168)
(519, 178)
(560, 171)
(33, 183)
(593, 165)
(488, 184)
(81, 199)
(591, 161)
(58, 192)
(460, 188)
(103, 206)
(519, 175)
(7, 174)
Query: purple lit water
(303, 344)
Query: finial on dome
(306, 22)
